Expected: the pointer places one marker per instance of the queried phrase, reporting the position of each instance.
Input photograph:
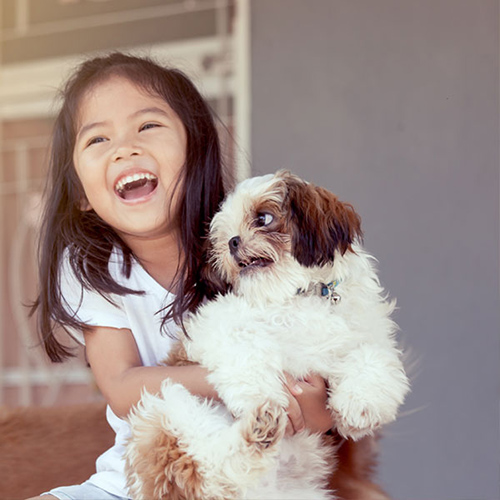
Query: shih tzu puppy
(304, 298)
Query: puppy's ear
(320, 224)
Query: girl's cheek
(92, 156)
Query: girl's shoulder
(137, 312)
(87, 306)
(135, 277)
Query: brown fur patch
(167, 471)
(177, 356)
(319, 223)
(264, 205)
(353, 476)
(266, 427)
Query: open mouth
(136, 186)
(254, 263)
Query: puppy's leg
(158, 463)
(183, 447)
(368, 394)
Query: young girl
(135, 178)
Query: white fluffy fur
(248, 338)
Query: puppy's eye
(264, 219)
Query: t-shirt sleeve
(88, 306)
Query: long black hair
(85, 237)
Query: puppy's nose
(233, 244)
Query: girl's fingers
(296, 421)
(292, 385)
(315, 380)
(295, 417)
(307, 404)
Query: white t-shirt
(139, 314)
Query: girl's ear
(85, 205)
(320, 224)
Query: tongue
(138, 189)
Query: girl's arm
(120, 375)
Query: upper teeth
(133, 178)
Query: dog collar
(326, 290)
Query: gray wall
(394, 105)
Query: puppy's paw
(356, 416)
(265, 427)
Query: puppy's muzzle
(234, 245)
(244, 261)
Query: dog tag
(328, 291)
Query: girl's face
(129, 151)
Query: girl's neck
(160, 257)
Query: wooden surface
(41, 448)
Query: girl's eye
(264, 219)
(147, 126)
(95, 140)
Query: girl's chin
(134, 229)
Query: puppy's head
(273, 227)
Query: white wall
(394, 105)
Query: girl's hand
(307, 405)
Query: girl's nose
(123, 152)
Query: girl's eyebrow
(152, 109)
